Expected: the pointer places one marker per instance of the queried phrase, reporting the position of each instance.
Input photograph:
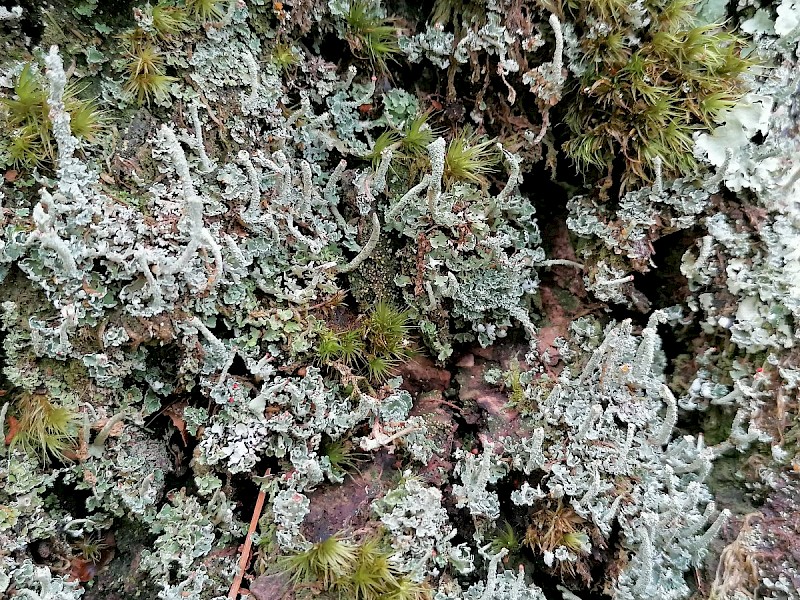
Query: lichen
(494, 286)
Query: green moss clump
(644, 91)
(374, 349)
(170, 21)
(147, 80)
(206, 10)
(44, 429)
(356, 571)
(369, 36)
(469, 158)
(26, 117)
(342, 457)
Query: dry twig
(248, 544)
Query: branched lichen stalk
(253, 72)
(381, 439)
(330, 195)
(704, 540)
(3, 427)
(199, 234)
(645, 353)
(198, 135)
(535, 454)
(71, 526)
(96, 448)
(561, 262)
(626, 448)
(700, 465)
(592, 490)
(59, 117)
(234, 249)
(658, 185)
(412, 193)
(494, 562)
(46, 234)
(645, 557)
(379, 181)
(669, 418)
(206, 332)
(142, 257)
(329, 192)
(599, 353)
(558, 54)
(698, 524)
(303, 111)
(608, 516)
(537, 139)
(589, 421)
(521, 315)
(308, 189)
(368, 248)
(254, 208)
(252, 175)
(514, 177)
(618, 281)
(226, 368)
(66, 143)
(436, 152)
(283, 169)
(790, 180)
(432, 303)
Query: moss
(325, 562)
(343, 458)
(169, 21)
(369, 36)
(470, 159)
(206, 10)
(377, 344)
(146, 80)
(559, 525)
(357, 571)
(411, 153)
(374, 278)
(567, 301)
(26, 116)
(284, 56)
(506, 538)
(644, 93)
(43, 428)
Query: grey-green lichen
(207, 204)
